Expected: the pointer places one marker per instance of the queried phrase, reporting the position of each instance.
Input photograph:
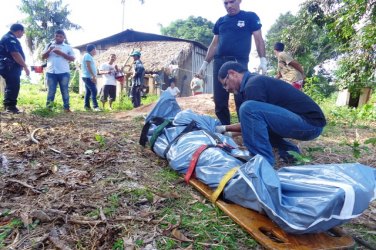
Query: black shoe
(12, 110)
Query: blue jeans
(52, 81)
(221, 96)
(265, 126)
(90, 91)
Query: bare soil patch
(60, 174)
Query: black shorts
(109, 91)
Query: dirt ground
(56, 173)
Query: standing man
(12, 61)
(270, 111)
(232, 42)
(289, 69)
(108, 70)
(137, 79)
(89, 76)
(58, 55)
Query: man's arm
(260, 44)
(19, 59)
(47, 52)
(260, 47)
(209, 55)
(212, 48)
(61, 53)
(297, 66)
(91, 71)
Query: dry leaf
(179, 236)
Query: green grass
(33, 97)
(203, 223)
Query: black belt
(230, 58)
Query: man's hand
(27, 71)
(220, 129)
(202, 70)
(263, 66)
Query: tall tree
(43, 19)
(352, 23)
(194, 28)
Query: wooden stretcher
(269, 235)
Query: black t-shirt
(235, 34)
(277, 92)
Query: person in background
(58, 55)
(173, 89)
(12, 61)
(232, 42)
(89, 76)
(197, 85)
(108, 70)
(270, 111)
(289, 69)
(137, 79)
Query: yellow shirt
(289, 73)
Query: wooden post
(2, 85)
(365, 96)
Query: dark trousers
(221, 96)
(12, 86)
(136, 96)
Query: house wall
(198, 56)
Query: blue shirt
(277, 92)
(139, 72)
(85, 71)
(9, 43)
(57, 64)
(235, 34)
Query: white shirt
(57, 64)
(174, 91)
(109, 79)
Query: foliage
(318, 88)
(305, 38)
(351, 25)
(43, 19)
(194, 28)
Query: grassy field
(142, 201)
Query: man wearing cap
(12, 61)
(270, 111)
(137, 79)
(289, 69)
(232, 42)
(89, 76)
(58, 55)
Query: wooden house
(164, 58)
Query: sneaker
(97, 109)
(12, 110)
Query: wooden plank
(268, 234)
(364, 97)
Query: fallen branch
(85, 222)
(35, 190)
(32, 136)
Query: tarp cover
(300, 199)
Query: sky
(100, 19)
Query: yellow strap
(222, 184)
